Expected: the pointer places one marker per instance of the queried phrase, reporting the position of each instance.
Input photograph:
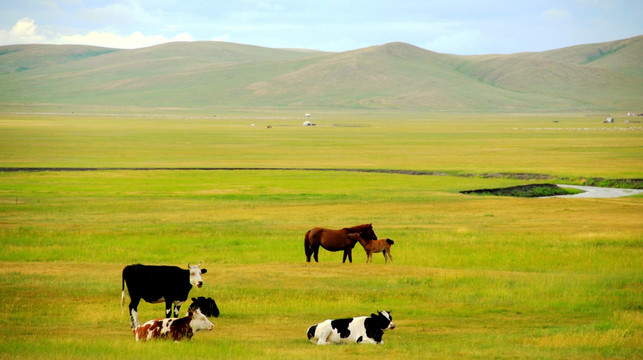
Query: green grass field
(474, 277)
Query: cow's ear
(203, 271)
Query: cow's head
(195, 275)
(383, 320)
(198, 321)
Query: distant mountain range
(211, 75)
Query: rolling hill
(213, 75)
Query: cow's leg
(177, 306)
(168, 308)
(133, 316)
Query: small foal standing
(374, 246)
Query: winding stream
(598, 192)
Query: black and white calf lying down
(363, 329)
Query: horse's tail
(307, 247)
(391, 242)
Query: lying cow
(173, 328)
(155, 284)
(361, 329)
(208, 306)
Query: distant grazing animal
(155, 284)
(361, 329)
(173, 328)
(335, 240)
(375, 246)
(207, 306)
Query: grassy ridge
(473, 277)
(211, 76)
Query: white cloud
(26, 31)
(107, 39)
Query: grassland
(474, 277)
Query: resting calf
(173, 328)
(374, 246)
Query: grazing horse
(335, 240)
(374, 246)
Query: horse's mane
(358, 228)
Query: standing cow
(155, 284)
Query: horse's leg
(345, 254)
(385, 257)
(350, 255)
(390, 256)
(316, 252)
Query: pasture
(474, 276)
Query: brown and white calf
(173, 328)
(374, 246)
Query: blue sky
(448, 26)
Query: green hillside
(214, 75)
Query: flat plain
(476, 277)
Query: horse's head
(368, 233)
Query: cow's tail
(123, 292)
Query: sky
(463, 27)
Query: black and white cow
(155, 284)
(363, 329)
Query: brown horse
(335, 240)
